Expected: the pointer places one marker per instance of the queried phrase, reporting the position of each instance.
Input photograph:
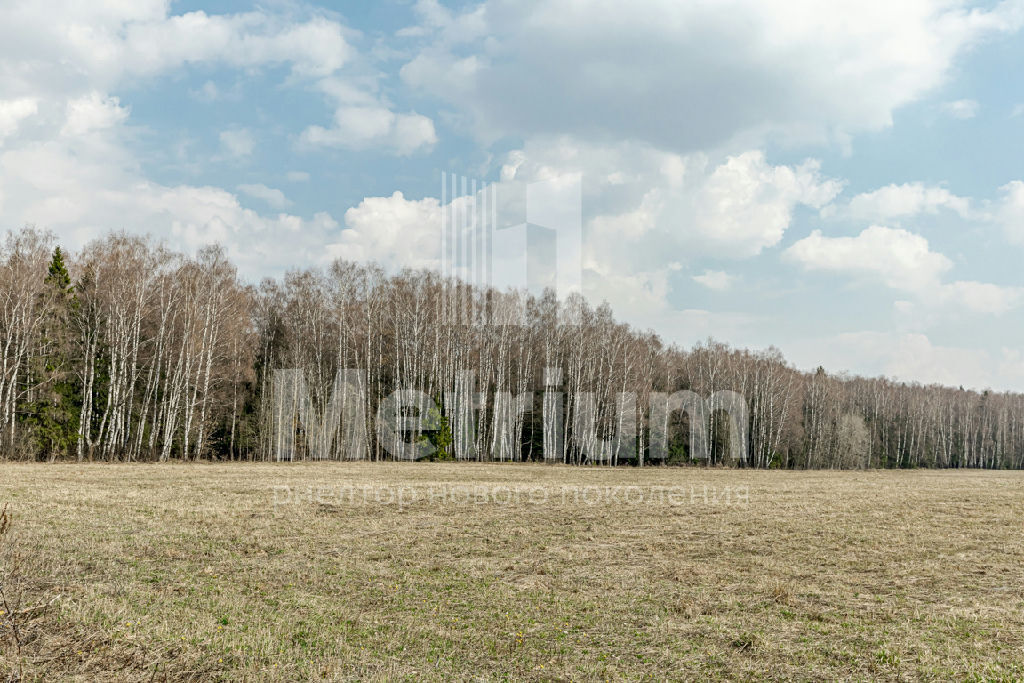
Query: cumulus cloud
(73, 173)
(905, 200)
(903, 261)
(78, 197)
(54, 45)
(93, 112)
(73, 170)
(626, 71)
(393, 231)
(644, 212)
(270, 195)
(77, 53)
(363, 120)
(13, 112)
(670, 155)
(373, 126)
(746, 204)
(668, 206)
(67, 160)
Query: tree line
(131, 351)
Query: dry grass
(191, 572)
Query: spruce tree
(53, 415)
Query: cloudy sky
(843, 180)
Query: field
(508, 572)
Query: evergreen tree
(439, 434)
(53, 415)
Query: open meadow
(499, 572)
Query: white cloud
(93, 112)
(668, 206)
(394, 231)
(637, 295)
(908, 199)
(362, 119)
(80, 198)
(982, 297)
(717, 280)
(238, 142)
(685, 179)
(13, 112)
(911, 357)
(639, 207)
(82, 181)
(270, 195)
(72, 171)
(641, 298)
(66, 51)
(56, 44)
(899, 259)
(746, 205)
(903, 261)
(619, 71)
(359, 127)
(962, 109)
(1009, 211)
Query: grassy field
(509, 572)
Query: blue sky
(841, 180)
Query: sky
(843, 181)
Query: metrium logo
(528, 238)
(402, 418)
